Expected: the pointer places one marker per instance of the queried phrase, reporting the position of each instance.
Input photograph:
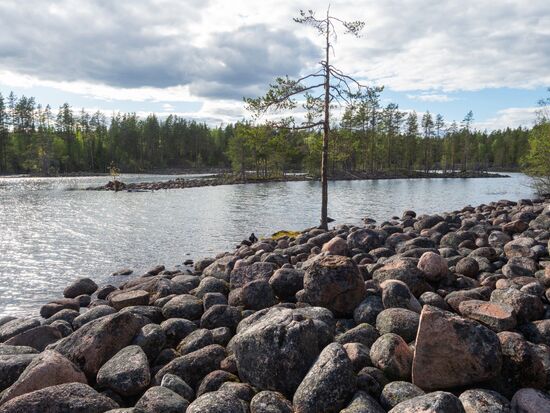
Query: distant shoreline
(235, 179)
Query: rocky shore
(446, 313)
(233, 179)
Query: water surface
(50, 235)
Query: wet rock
(11, 367)
(334, 282)
(126, 373)
(177, 385)
(527, 307)
(531, 401)
(37, 337)
(396, 294)
(79, 287)
(160, 399)
(193, 367)
(183, 306)
(451, 351)
(46, 369)
(92, 314)
(399, 321)
(286, 282)
(257, 295)
(328, 385)
(217, 402)
(433, 265)
(17, 326)
(397, 392)
(55, 306)
(70, 397)
(391, 354)
(151, 339)
(498, 317)
(484, 401)
(286, 342)
(436, 402)
(96, 342)
(270, 402)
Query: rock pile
(440, 313)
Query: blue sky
(199, 57)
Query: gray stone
(217, 402)
(161, 400)
(270, 402)
(126, 373)
(177, 385)
(436, 402)
(391, 354)
(397, 392)
(484, 401)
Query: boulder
(451, 351)
(151, 339)
(329, 384)
(16, 326)
(286, 282)
(217, 402)
(214, 380)
(37, 337)
(183, 306)
(526, 306)
(276, 350)
(47, 369)
(391, 354)
(531, 401)
(69, 397)
(362, 402)
(11, 367)
(160, 399)
(221, 315)
(498, 317)
(177, 385)
(396, 294)
(92, 314)
(436, 402)
(126, 373)
(334, 282)
(399, 321)
(79, 287)
(96, 342)
(484, 401)
(193, 367)
(397, 392)
(56, 306)
(129, 298)
(433, 265)
(257, 295)
(336, 246)
(270, 402)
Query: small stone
(177, 385)
(397, 392)
(396, 294)
(151, 339)
(399, 321)
(468, 266)
(363, 333)
(336, 246)
(286, 282)
(391, 354)
(213, 381)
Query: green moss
(282, 234)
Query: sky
(199, 58)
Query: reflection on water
(49, 235)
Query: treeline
(368, 137)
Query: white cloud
(511, 117)
(431, 97)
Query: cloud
(510, 117)
(434, 97)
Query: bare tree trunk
(324, 158)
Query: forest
(366, 137)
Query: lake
(52, 232)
